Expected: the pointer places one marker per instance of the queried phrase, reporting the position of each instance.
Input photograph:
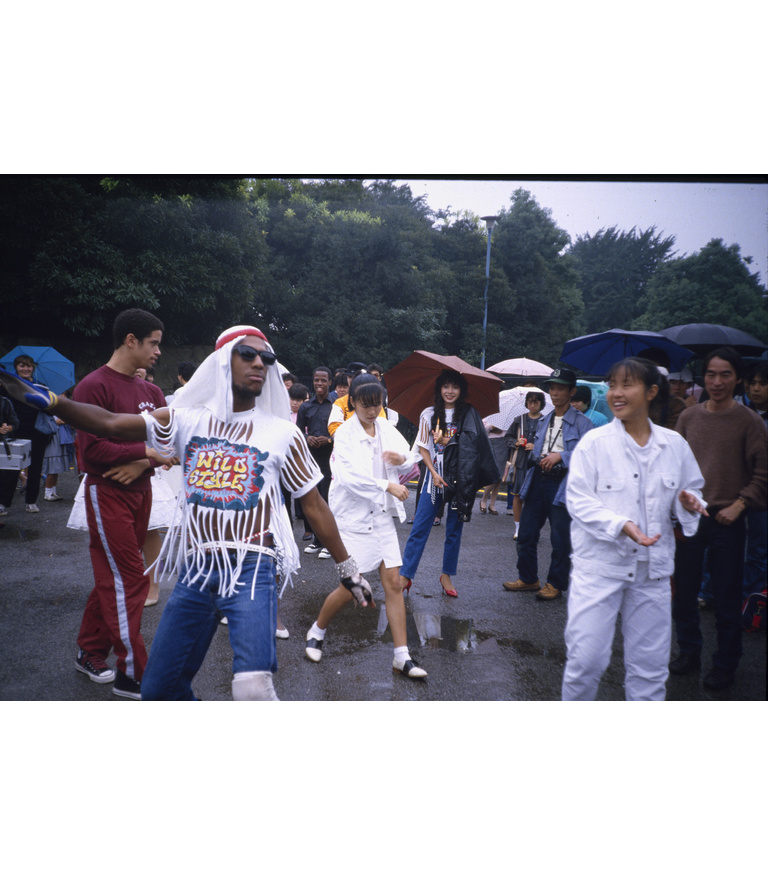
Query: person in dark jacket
(451, 421)
(9, 423)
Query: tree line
(339, 270)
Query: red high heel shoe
(407, 586)
(447, 591)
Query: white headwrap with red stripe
(211, 385)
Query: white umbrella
(523, 367)
(512, 404)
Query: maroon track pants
(117, 522)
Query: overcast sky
(693, 213)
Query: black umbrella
(701, 337)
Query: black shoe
(717, 679)
(313, 548)
(685, 663)
(94, 667)
(126, 687)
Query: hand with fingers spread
(692, 504)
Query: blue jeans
(755, 566)
(724, 547)
(423, 520)
(190, 619)
(538, 506)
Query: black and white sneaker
(126, 687)
(313, 648)
(313, 548)
(94, 667)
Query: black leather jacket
(468, 464)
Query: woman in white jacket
(369, 455)
(627, 478)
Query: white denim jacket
(603, 491)
(355, 493)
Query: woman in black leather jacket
(458, 456)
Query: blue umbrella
(51, 368)
(594, 354)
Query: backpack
(754, 612)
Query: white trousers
(646, 623)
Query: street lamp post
(490, 221)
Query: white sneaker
(33, 509)
(52, 497)
(282, 634)
(324, 554)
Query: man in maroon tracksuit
(118, 499)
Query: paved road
(486, 645)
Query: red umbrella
(411, 384)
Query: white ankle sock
(316, 632)
(402, 654)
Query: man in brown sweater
(728, 441)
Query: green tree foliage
(80, 253)
(615, 267)
(548, 307)
(712, 286)
(348, 283)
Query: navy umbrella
(51, 368)
(701, 337)
(595, 354)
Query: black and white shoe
(409, 668)
(314, 649)
(313, 548)
(126, 687)
(94, 667)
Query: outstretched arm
(89, 418)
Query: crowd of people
(647, 521)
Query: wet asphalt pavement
(487, 645)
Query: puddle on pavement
(434, 631)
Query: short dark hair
(729, 355)
(582, 394)
(186, 369)
(536, 396)
(757, 370)
(323, 368)
(23, 359)
(138, 323)
(374, 366)
(341, 379)
(297, 391)
(288, 376)
(367, 390)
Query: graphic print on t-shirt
(221, 475)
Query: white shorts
(371, 549)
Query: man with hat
(543, 492)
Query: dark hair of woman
(647, 373)
(536, 396)
(367, 390)
(461, 403)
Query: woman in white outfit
(627, 478)
(369, 456)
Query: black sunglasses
(248, 354)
